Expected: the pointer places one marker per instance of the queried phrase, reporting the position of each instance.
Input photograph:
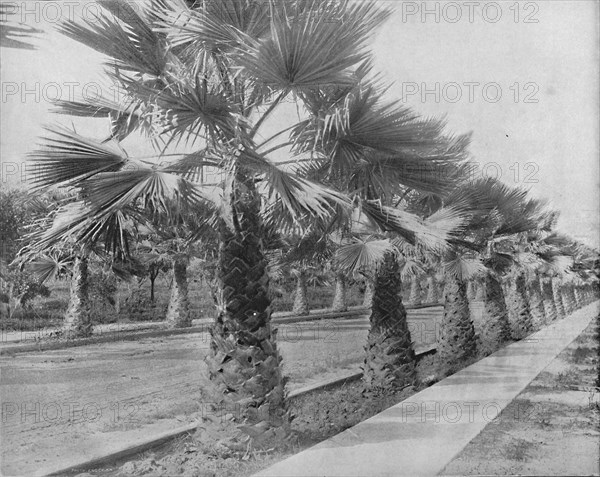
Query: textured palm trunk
(559, 304)
(566, 299)
(432, 295)
(369, 292)
(77, 322)
(578, 298)
(536, 303)
(456, 341)
(339, 298)
(415, 292)
(479, 290)
(390, 359)
(244, 362)
(300, 299)
(441, 286)
(571, 298)
(178, 312)
(494, 331)
(548, 299)
(471, 291)
(519, 314)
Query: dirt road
(58, 402)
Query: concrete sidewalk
(420, 436)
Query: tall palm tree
(390, 359)
(209, 86)
(456, 341)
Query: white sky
(548, 144)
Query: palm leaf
(210, 27)
(67, 157)
(362, 254)
(14, 34)
(125, 117)
(45, 267)
(463, 267)
(411, 268)
(126, 38)
(300, 197)
(308, 50)
(186, 110)
(433, 233)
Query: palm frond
(191, 166)
(45, 267)
(463, 267)
(14, 34)
(187, 109)
(300, 197)
(308, 50)
(411, 268)
(126, 38)
(362, 254)
(154, 190)
(125, 117)
(433, 233)
(210, 27)
(67, 157)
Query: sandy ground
(552, 428)
(53, 402)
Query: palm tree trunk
(569, 299)
(369, 292)
(301, 300)
(577, 295)
(479, 290)
(178, 313)
(390, 359)
(244, 362)
(519, 314)
(495, 328)
(548, 297)
(415, 292)
(432, 296)
(456, 341)
(441, 286)
(339, 298)
(559, 305)
(536, 304)
(471, 292)
(77, 322)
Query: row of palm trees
(382, 187)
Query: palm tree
(340, 302)
(415, 291)
(520, 317)
(301, 255)
(432, 294)
(514, 216)
(536, 301)
(206, 84)
(390, 358)
(456, 341)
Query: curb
(154, 442)
(152, 332)
(127, 451)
